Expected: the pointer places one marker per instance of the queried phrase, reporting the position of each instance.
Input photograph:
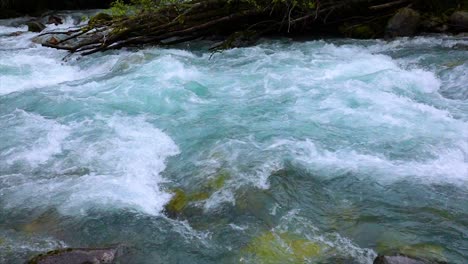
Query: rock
(181, 202)
(53, 41)
(358, 31)
(404, 23)
(35, 26)
(397, 260)
(434, 24)
(54, 20)
(274, 247)
(459, 21)
(15, 34)
(77, 256)
(178, 203)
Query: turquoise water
(341, 148)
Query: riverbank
(242, 25)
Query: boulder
(404, 23)
(397, 260)
(35, 26)
(459, 21)
(358, 31)
(56, 20)
(434, 24)
(77, 256)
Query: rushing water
(319, 151)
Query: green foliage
(119, 8)
(290, 4)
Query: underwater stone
(272, 247)
(397, 260)
(218, 182)
(178, 202)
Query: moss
(270, 248)
(181, 199)
(178, 202)
(199, 196)
(217, 182)
(358, 31)
(99, 19)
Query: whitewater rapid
(114, 133)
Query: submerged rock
(177, 204)
(182, 200)
(35, 26)
(397, 260)
(77, 256)
(404, 23)
(459, 21)
(272, 247)
(429, 253)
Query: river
(311, 151)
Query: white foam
(22, 244)
(449, 165)
(47, 135)
(124, 165)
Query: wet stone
(77, 256)
(397, 260)
(405, 23)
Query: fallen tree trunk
(237, 21)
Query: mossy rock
(359, 32)
(199, 196)
(272, 248)
(218, 182)
(177, 204)
(181, 201)
(45, 222)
